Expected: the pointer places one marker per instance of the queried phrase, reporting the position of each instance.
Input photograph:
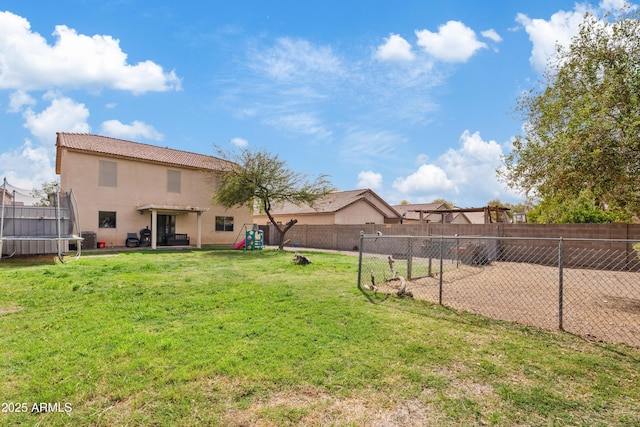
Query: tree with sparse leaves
(261, 179)
(582, 134)
(45, 193)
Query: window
(224, 223)
(106, 219)
(108, 174)
(173, 181)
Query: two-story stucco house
(123, 187)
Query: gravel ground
(598, 305)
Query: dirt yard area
(598, 305)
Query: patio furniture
(132, 240)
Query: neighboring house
(414, 213)
(7, 197)
(476, 217)
(340, 207)
(487, 215)
(454, 218)
(123, 187)
(439, 213)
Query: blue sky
(413, 99)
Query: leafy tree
(583, 128)
(44, 193)
(262, 180)
(578, 210)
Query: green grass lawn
(218, 337)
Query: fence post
(441, 272)
(360, 260)
(457, 251)
(409, 257)
(560, 283)
(428, 246)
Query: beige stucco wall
(315, 219)
(460, 219)
(139, 184)
(359, 213)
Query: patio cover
(154, 209)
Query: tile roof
(333, 202)
(114, 147)
(408, 211)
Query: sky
(413, 99)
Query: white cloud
(369, 179)
(62, 115)
(304, 123)
(295, 77)
(239, 142)
(454, 42)
(468, 169)
(27, 166)
(367, 147)
(291, 58)
(18, 100)
(395, 48)
(613, 5)
(289, 81)
(491, 34)
(473, 164)
(28, 62)
(421, 159)
(135, 130)
(427, 179)
(545, 35)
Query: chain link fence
(589, 287)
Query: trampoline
(34, 229)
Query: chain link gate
(584, 286)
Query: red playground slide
(240, 244)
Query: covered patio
(155, 210)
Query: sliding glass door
(166, 226)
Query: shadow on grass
(28, 260)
